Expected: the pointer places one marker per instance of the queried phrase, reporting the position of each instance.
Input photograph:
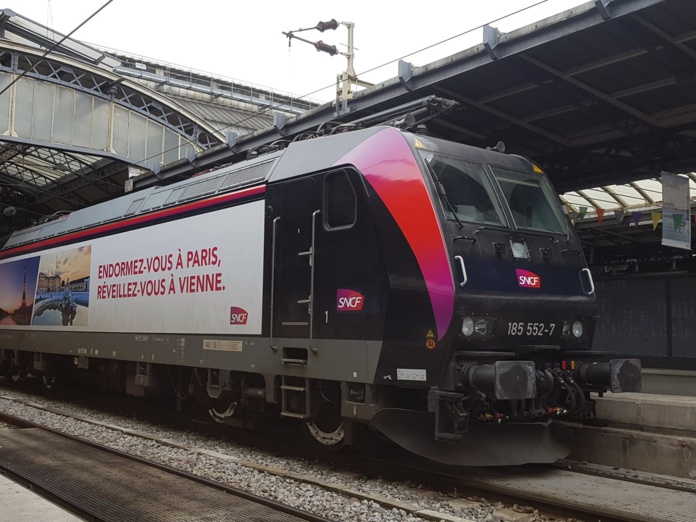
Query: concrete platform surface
(649, 411)
(652, 433)
(22, 505)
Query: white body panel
(201, 274)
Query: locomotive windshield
(531, 201)
(469, 191)
(473, 195)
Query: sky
(72, 264)
(244, 40)
(12, 282)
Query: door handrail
(312, 253)
(273, 271)
(465, 277)
(589, 277)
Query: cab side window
(340, 202)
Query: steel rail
(23, 423)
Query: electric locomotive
(430, 290)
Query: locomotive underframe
(503, 391)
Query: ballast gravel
(295, 482)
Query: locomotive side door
(294, 257)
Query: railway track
(99, 483)
(576, 490)
(565, 490)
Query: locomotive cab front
(520, 338)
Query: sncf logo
(238, 315)
(527, 279)
(349, 300)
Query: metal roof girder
(500, 114)
(22, 169)
(31, 72)
(499, 95)
(527, 40)
(619, 239)
(392, 91)
(185, 165)
(665, 36)
(603, 62)
(651, 86)
(602, 7)
(279, 122)
(58, 158)
(579, 98)
(615, 197)
(11, 150)
(491, 39)
(587, 198)
(230, 139)
(643, 193)
(462, 130)
(68, 187)
(129, 95)
(591, 90)
(18, 185)
(5, 16)
(405, 72)
(34, 190)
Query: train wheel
(326, 426)
(48, 380)
(223, 407)
(17, 374)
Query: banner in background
(676, 210)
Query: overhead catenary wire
(307, 95)
(279, 104)
(54, 46)
(46, 53)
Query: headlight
(577, 329)
(467, 326)
(477, 327)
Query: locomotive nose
(504, 380)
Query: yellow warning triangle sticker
(430, 334)
(417, 143)
(537, 168)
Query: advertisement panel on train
(201, 274)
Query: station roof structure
(602, 95)
(76, 121)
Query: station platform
(19, 504)
(669, 382)
(646, 432)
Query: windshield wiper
(443, 195)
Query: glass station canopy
(645, 194)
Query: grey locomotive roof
(316, 154)
(477, 155)
(298, 159)
(224, 179)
